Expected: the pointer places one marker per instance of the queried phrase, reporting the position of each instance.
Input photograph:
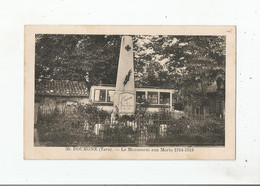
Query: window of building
(153, 97)
(140, 97)
(110, 95)
(100, 95)
(70, 102)
(164, 98)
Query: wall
(46, 105)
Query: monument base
(124, 103)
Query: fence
(148, 130)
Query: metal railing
(147, 131)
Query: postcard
(129, 92)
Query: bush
(120, 134)
(197, 131)
(67, 128)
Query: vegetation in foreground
(89, 126)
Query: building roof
(49, 87)
(137, 89)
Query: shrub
(197, 131)
(67, 128)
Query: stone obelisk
(124, 101)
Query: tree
(185, 63)
(77, 57)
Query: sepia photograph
(119, 92)
(129, 92)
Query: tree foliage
(188, 64)
(185, 63)
(77, 57)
